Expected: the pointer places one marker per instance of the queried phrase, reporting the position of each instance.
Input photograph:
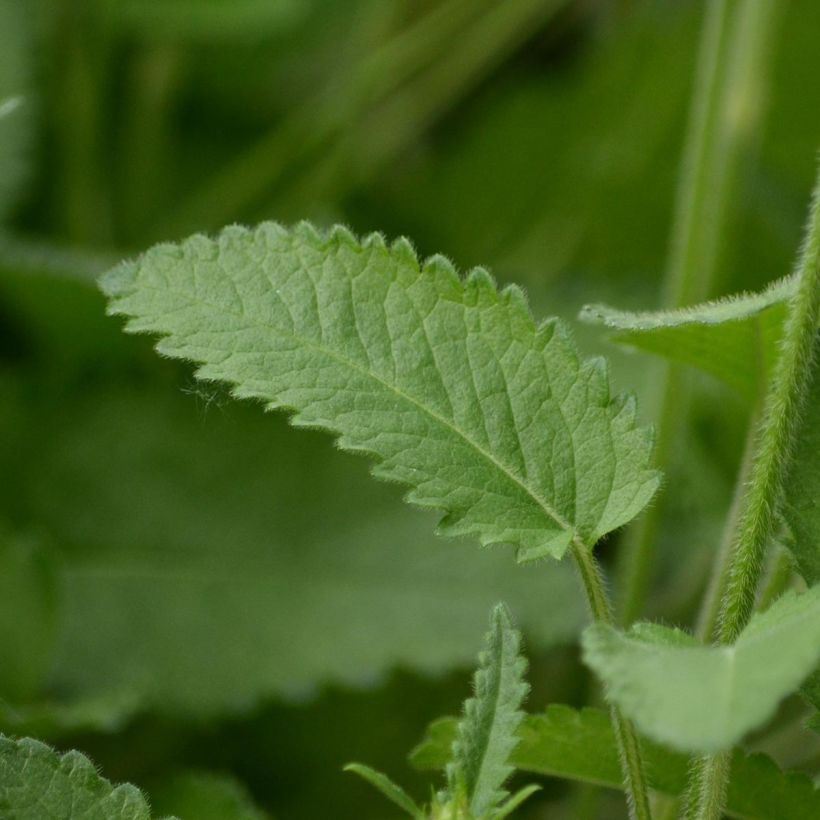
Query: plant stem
(725, 111)
(629, 749)
(775, 443)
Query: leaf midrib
(540, 503)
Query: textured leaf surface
(448, 383)
(734, 339)
(580, 746)
(486, 733)
(36, 783)
(138, 487)
(698, 698)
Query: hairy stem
(775, 442)
(726, 108)
(629, 749)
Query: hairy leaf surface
(580, 745)
(449, 383)
(734, 339)
(37, 783)
(486, 733)
(702, 699)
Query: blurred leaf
(734, 339)
(486, 733)
(209, 20)
(299, 572)
(36, 783)
(702, 699)
(199, 795)
(27, 615)
(581, 746)
(15, 100)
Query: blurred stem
(726, 109)
(408, 113)
(774, 445)
(324, 114)
(629, 749)
(777, 578)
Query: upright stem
(775, 442)
(628, 744)
(725, 111)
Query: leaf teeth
(446, 382)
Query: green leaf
(256, 550)
(449, 383)
(486, 733)
(510, 805)
(388, 788)
(15, 114)
(735, 339)
(580, 746)
(37, 783)
(199, 795)
(702, 699)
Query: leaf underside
(580, 746)
(486, 733)
(448, 383)
(702, 699)
(734, 339)
(36, 783)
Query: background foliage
(208, 602)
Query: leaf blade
(36, 783)
(486, 732)
(703, 699)
(449, 384)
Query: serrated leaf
(37, 783)
(395, 794)
(448, 383)
(735, 339)
(201, 795)
(486, 733)
(705, 698)
(580, 746)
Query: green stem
(726, 109)
(628, 744)
(775, 442)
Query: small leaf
(36, 783)
(447, 382)
(580, 746)
(734, 339)
(705, 698)
(387, 787)
(486, 733)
